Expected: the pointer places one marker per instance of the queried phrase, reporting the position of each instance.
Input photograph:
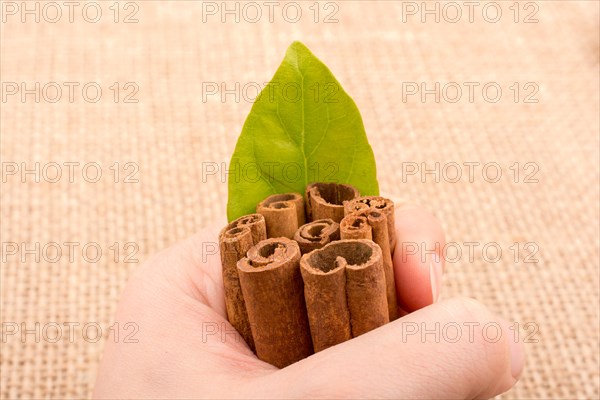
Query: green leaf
(303, 128)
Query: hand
(187, 349)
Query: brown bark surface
(355, 226)
(283, 213)
(317, 234)
(371, 222)
(386, 206)
(255, 222)
(326, 200)
(344, 287)
(233, 245)
(273, 291)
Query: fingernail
(517, 357)
(435, 278)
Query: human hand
(187, 349)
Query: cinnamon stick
(344, 287)
(256, 223)
(355, 226)
(233, 244)
(326, 200)
(273, 291)
(234, 241)
(283, 213)
(316, 234)
(386, 206)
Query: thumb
(452, 349)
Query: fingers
(418, 263)
(452, 349)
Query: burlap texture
(171, 131)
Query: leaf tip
(297, 48)
(296, 45)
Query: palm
(176, 301)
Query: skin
(187, 349)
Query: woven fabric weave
(379, 51)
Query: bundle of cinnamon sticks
(308, 272)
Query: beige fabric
(170, 52)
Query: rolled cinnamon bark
(283, 213)
(355, 226)
(233, 244)
(274, 295)
(386, 206)
(234, 241)
(256, 223)
(326, 200)
(316, 234)
(344, 287)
